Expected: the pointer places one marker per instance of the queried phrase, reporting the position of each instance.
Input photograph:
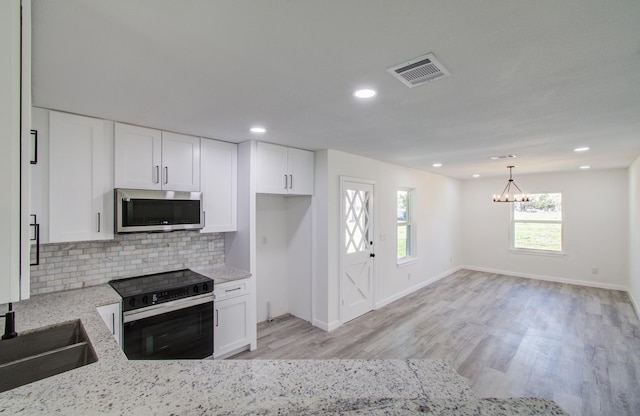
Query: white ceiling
(531, 78)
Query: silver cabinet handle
(290, 181)
(286, 182)
(166, 175)
(98, 222)
(113, 324)
(217, 318)
(156, 179)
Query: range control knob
(205, 287)
(196, 289)
(132, 302)
(145, 299)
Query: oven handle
(161, 308)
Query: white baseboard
(634, 304)
(410, 290)
(549, 278)
(326, 326)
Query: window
(405, 222)
(537, 224)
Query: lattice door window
(357, 221)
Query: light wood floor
(510, 337)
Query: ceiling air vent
(419, 70)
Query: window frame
(535, 251)
(410, 222)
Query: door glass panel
(357, 221)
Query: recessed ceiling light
(585, 167)
(475, 175)
(437, 165)
(502, 157)
(581, 149)
(258, 129)
(364, 93)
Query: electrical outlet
(594, 270)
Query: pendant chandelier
(507, 195)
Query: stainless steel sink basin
(43, 353)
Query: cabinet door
(110, 314)
(231, 331)
(180, 162)
(300, 171)
(15, 103)
(218, 183)
(80, 188)
(272, 170)
(138, 153)
(40, 175)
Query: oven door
(181, 329)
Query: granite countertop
(114, 385)
(222, 273)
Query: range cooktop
(141, 291)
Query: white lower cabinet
(231, 319)
(111, 316)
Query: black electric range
(167, 316)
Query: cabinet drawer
(230, 290)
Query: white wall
(283, 255)
(299, 262)
(595, 229)
(320, 224)
(634, 233)
(438, 239)
(271, 256)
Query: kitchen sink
(43, 353)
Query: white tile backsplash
(66, 266)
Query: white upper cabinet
(272, 169)
(219, 185)
(15, 103)
(80, 185)
(180, 162)
(301, 164)
(283, 170)
(40, 175)
(150, 159)
(138, 157)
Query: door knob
(372, 254)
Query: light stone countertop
(222, 273)
(114, 385)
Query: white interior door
(356, 269)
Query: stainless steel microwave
(141, 210)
